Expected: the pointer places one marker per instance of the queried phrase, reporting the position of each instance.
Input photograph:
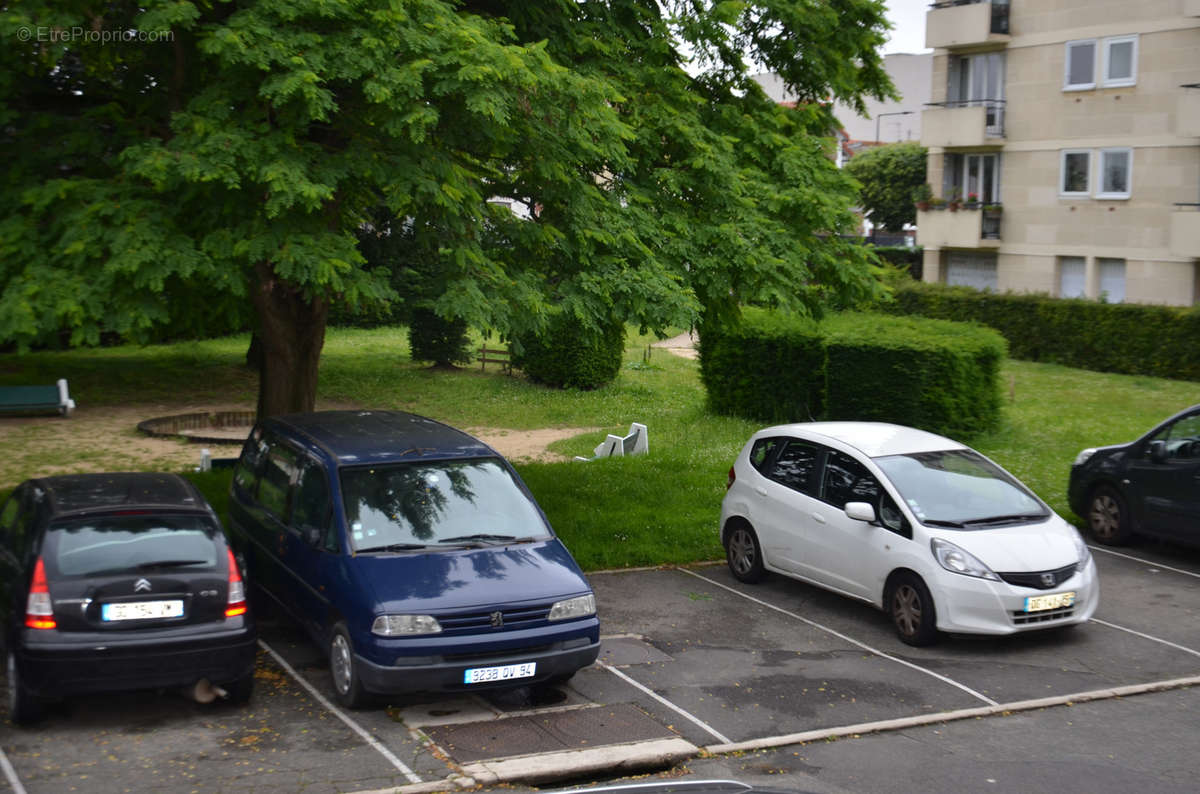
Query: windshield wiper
(1007, 519)
(934, 522)
(484, 537)
(170, 564)
(395, 547)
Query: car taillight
(39, 611)
(236, 603)
(732, 477)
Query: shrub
(1134, 339)
(903, 257)
(434, 338)
(570, 355)
(939, 376)
(768, 367)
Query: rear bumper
(61, 666)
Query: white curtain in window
(971, 270)
(1072, 277)
(1112, 279)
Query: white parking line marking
(354, 726)
(606, 666)
(1146, 562)
(850, 640)
(11, 774)
(1159, 640)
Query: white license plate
(481, 675)
(1055, 601)
(142, 610)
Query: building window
(1120, 61)
(1074, 172)
(1081, 65)
(1112, 279)
(1116, 167)
(977, 175)
(971, 269)
(1072, 277)
(978, 80)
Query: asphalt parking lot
(696, 668)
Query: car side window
(311, 505)
(275, 481)
(254, 452)
(795, 466)
(1183, 438)
(847, 480)
(762, 451)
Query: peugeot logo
(141, 586)
(1048, 580)
(497, 619)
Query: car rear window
(430, 503)
(123, 544)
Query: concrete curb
(571, 763)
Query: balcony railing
(999, 12)
(993, 113)
(961, 225)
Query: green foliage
(1135, 339)
(903, 257)
(936, 375)
(437, 339)
(572, 355)
(892, 179)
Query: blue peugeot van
(412, 552)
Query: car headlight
(957, 560)
(578, 607)
(405, 625)
(1083, 456)
(1081, 548)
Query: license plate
(1055, 601)
(142, 610)
(481, 675)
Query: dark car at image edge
(115, 582)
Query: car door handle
(820, 519)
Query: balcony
(1187, 111)
(969, 227)
(1185, 230)
(966, 23)
(973, 122)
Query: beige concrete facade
(1099, 141)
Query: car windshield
(131, 543)
(414, 506)
(960, 489)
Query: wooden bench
(36, 399)
(489, 355)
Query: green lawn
(661, 508)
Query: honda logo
(141, 586)
(497, 619)
(1048, 580)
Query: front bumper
(978, 606)
(76, 664)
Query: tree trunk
(292, 333)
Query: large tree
(173, 163)
(890, 177)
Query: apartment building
(1070, 132)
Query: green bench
(36, 399)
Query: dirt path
(683, 345)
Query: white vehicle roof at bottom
(873, 439)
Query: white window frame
(1062, 174)
(1098, 180)
(1109, 82)
(1067, 84)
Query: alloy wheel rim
(341, 664)
(743, 551)
(906, 610)
(1105, 516)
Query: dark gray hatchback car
(118, 582)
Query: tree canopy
(179, 167)
(890, 177)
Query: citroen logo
(497, 619)
(141, 586)
(1048, 580)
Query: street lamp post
(881, 115)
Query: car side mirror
(1158, 451)
(311, 535)
(860, 511)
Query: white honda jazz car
(923, 527)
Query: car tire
(23, 707)
(910, 606)
(744, 554)
(241, 689)
(347, 686)
(1108, 516)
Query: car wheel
(911, 608)
(346, 684)
(1108, 517)
(743, 554)
(23, 708)
(241, 689)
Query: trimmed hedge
(1127, 338)
(939, 376)
(570, 355)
